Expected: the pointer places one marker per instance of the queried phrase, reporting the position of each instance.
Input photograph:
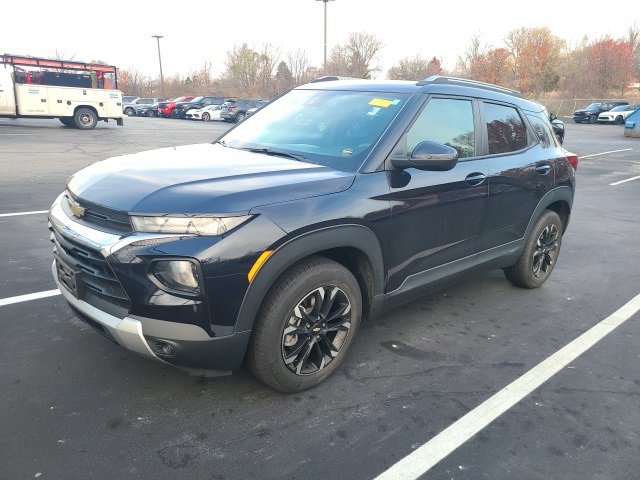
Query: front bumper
(183, 345)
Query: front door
(7, 100)
(437, 216)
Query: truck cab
(7, 99)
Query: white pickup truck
(78, 99)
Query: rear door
(521, 172)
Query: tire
(66, 121)
(619, 120)
(240, 117)
(85, 119)
(206, 117)
(593, 119)
(150, 113)
(540, 253)
(577, 121)
(129, 112)
(280, 359)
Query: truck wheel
(540, 253)
(85, 119)
(305, 326)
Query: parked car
(128, 99)
(147, 110)
(183, 107)
(339, 201)
(260, 104)
(129, 108)
(235, 110)
(558, 127)
(210, 112)
(617, 114)
(590, 113)
(165, 109)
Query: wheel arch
(354, 246)
(559, 200)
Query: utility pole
(325, 29)
(158, 37)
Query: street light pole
(158, 37)
(325, 29)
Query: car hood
(203, 178)
(584, 110)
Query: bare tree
(416, 68)
(243, 66)
(356, 57)
(298, 63)
(470, 56)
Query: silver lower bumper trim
(127, 331)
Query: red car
(166, 108)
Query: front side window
(448, 121)
(505, 129)
(334, 128)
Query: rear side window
(448, 121)
(505, 129)
(542, 131)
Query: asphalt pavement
(75, 406)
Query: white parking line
(28, 296)
(605, 153)
(624, 181)
(16, 214)
(428, 455)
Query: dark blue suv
(336, 202)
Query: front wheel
(206, 117)
(593, 119)
(85, 119)
(130, 112)
(540, 253)
(150, 113)
(619, 120)
(305, 326)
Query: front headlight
(187, 225)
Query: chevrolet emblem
(77, 209)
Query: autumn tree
(536, 57)
(242, 66)
(356, 57)
(494, 66)
(416, 68)
(633, 37)
(611, 65)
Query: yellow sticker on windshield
(381, 102)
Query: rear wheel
(130, 112)
(305, 326)
(206, 117)
(85, 119)
(240, 117)
(540, 253)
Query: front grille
(86, 274)
(105, 218)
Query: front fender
(302, 246)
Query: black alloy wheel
(593, 119)
(129, 111)
(305, 326)
(619, 120)
(540, 253)
(316, 330)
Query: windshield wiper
(279, 153)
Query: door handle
(475, 178)
(543, 169)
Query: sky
(119, 32)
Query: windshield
(593, 106)
(620, 108)
(332, 128)
(197, 99)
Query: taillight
(573, 159)
(231, 107)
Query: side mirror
(552, 117)
(429, 155)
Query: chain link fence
(564, 107)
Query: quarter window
(542, 131)
(505, 129)
(448, 121)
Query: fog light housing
(180, 275)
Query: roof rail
(465, 82)
(331, 78)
